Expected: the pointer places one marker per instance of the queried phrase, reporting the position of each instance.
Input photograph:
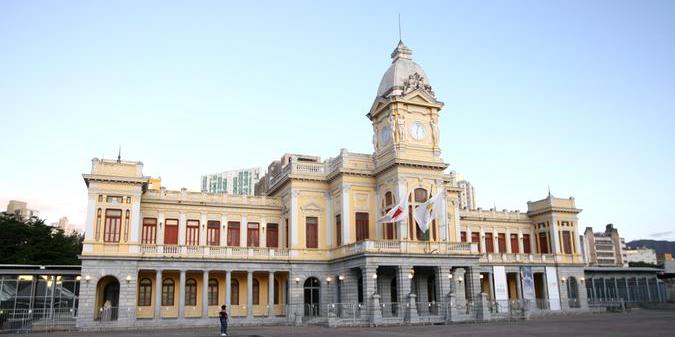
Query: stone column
(329, 220)
(521, 248)
(181, 229)
(345, 216)
(249, 294)
(443, 283)
(228, 288)
(205, 294)
(270, 294)
(243, 232)
(473, 277)
(181, 295)
(482, 241)
(293, 214)
(202, 229)
(158, 294)
(507, 240)
(223, 230)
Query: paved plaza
(637, 323)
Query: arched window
(256, 292)
(168, 291)
(145, 293)
(213, 292)
(312, 300)
(190, 292)
(234, 292)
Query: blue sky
(578, 95)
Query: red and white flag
(397, 213)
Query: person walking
(223, 320)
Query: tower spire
(400, 36)
(119, 154)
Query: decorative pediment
(311, 207)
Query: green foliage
(33, 242)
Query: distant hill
(659, 246)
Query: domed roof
(404, 75)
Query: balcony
(499, 258)
(265, 253)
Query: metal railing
(27, 320)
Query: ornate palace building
(308, 247)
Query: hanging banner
(553, 289)
(528, 283)
(501, 289)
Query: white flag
(428, 211)
(398, 212)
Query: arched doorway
(312, 300)
(108, 294)
(573, 292)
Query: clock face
(418, 131)
(385, 135)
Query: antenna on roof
(119, 154)
(400, 37)
(549, 191)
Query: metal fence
(25, 320)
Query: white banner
(501, 289)
(553, 289)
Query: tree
(31, 241)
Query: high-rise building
(646, 255)
(603, 248)
(467, 195)
(20, 209)
(65, 224)
(240, 182)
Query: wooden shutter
(312, 233)
(272, 235)
(233, 234)
(171, 231)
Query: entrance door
(312, 299)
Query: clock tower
(405, 116)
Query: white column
(243, 232)
(223, 230)
(293, 216)
(330, 228)
(158, 294)
(89, 230)
(181, 295)
(228, 282)
(345, 214)
(205, 294)
(555, 242)
(181, 229)
(520, 242)
(160, 229)
(508, 241)
(482, 241)
(270, 293)
(202, 229)
(495, 240)
(263, 233)
(135, 219)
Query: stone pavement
(636, 323)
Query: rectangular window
(113, 224)
(192, 233)
(312, 232)
(489, 243)
(113, 199)
(149, 231)
(338, 230)
(233, 234)
(475, 237)
(171, 231)
(213, 233)
(361, 226)
(462, 236)
(527, 249)
(252, 234)
(543, 243)
(272, 235)
(567, 242)
(514, 244)
(501, 242)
